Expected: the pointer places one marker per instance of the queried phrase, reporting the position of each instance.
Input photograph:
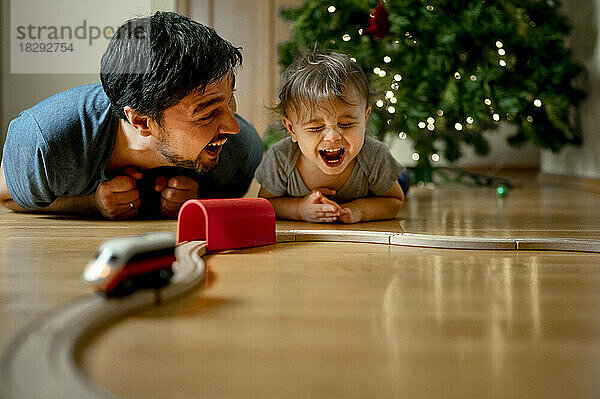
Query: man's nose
(229, 124)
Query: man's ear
(367, 114)
(289, 126)
(140, 122)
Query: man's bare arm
(114, 199)
(5, 198)
(81, 205)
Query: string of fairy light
(389, 100)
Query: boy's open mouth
(214, 147)
(332, 157)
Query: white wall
(21, 91)
(582, 161)
(501, 154)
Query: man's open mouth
(332, 157)
(215, 146)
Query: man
(161, 129)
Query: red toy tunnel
(227, 223)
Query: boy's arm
(385, 206)
(313, 208)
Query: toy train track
(46, 348)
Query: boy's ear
(289, 127)
(140, 122)
(367, 114)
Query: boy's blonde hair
(316, 76)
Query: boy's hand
(174, 192)
(315, 207)
(118, 198)
(350, 215)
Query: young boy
(328, 170)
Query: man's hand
(118, 199)
(315, 207)
(174, 192)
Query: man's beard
(177, 160)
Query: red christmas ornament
(379, 24)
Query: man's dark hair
(151, 63)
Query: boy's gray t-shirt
(374, 172)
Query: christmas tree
(445, 71)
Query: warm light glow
(402, 135)
(397, 77)
(331, 9)
(487, 101)
(501, 51)
(415, 156)
(96, 270)
(430, 127)
(376, 70)
(430, 120)
(381, 73)
(346, 37)
(470, 120)
(389, 94)
(422, 125)
(473, 78)
(457, 75)
(387, 59)
(379, 103)
(496, 117)
(105, 272)
(440, 112)
(499, 44)
(458, 126)
(435, 157)
(391, 109)
(393, 100)
(530, 119)
(502, 63)
(537, 102)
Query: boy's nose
(331, 134)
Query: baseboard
(575, 182)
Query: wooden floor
(323, 320)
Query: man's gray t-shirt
(61, 146)
(374, 172)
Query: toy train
(122, 265)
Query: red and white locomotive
(122, 265)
